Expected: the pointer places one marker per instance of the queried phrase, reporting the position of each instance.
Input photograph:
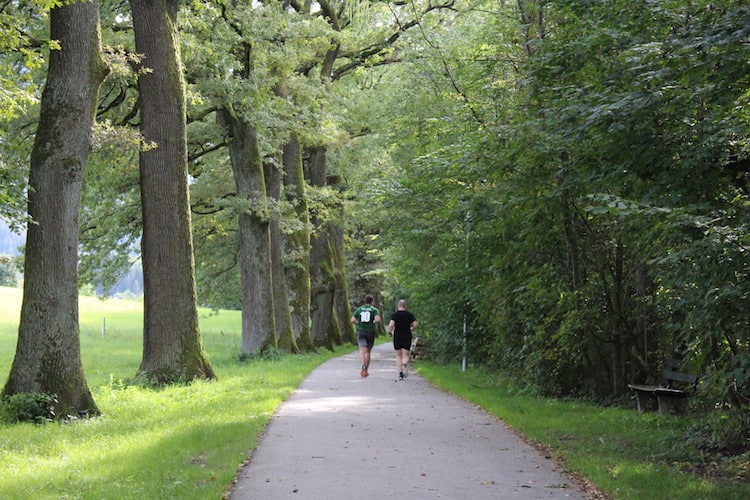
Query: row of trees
(572, 178)
(225, 113)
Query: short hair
(369, 299)
(402, 303)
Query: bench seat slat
(666, 391)
(646, 388)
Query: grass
(628, 455)
(177, 442)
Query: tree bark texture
(48, 356)
(282, 314)
(323, 287)
(342, 308)
(322, 279)
(172, 347)
(297, 245)
(254, 237)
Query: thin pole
(465, 360)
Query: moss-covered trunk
(254, 237)
(282, 315)
(322, 279)
(297, 265)
(172, 346)
(48, 357)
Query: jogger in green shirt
(365, 317)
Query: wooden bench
(670, 398)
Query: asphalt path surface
(340, 436)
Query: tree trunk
(282, 315)
(258, 328)
(297, 268)
(172, 345)
(48, 355)
(341, 307)
(321, 267)
(322, 279)
(619, 351)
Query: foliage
(28, 407)
(10, 275)
(570, 183)
(651, 127)
(724, 430)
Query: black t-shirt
(402, 320)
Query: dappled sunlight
(309, 403)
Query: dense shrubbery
(607, 199)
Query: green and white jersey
(366, 318)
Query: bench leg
(646, 401)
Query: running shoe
(363, 372)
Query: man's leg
(364, 359)
(367, 358)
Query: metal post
(465, 360)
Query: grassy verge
(180, 442)
(626, 454)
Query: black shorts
(401, 341)
(366, 339)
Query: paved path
(340, 436)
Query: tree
(607, 182)
(172, 346)
(254, 237)
(48, 358)
(297, 243)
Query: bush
(723, 431)
(28, 407)
(9, 272)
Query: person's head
(402, 304)
(369, 299)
